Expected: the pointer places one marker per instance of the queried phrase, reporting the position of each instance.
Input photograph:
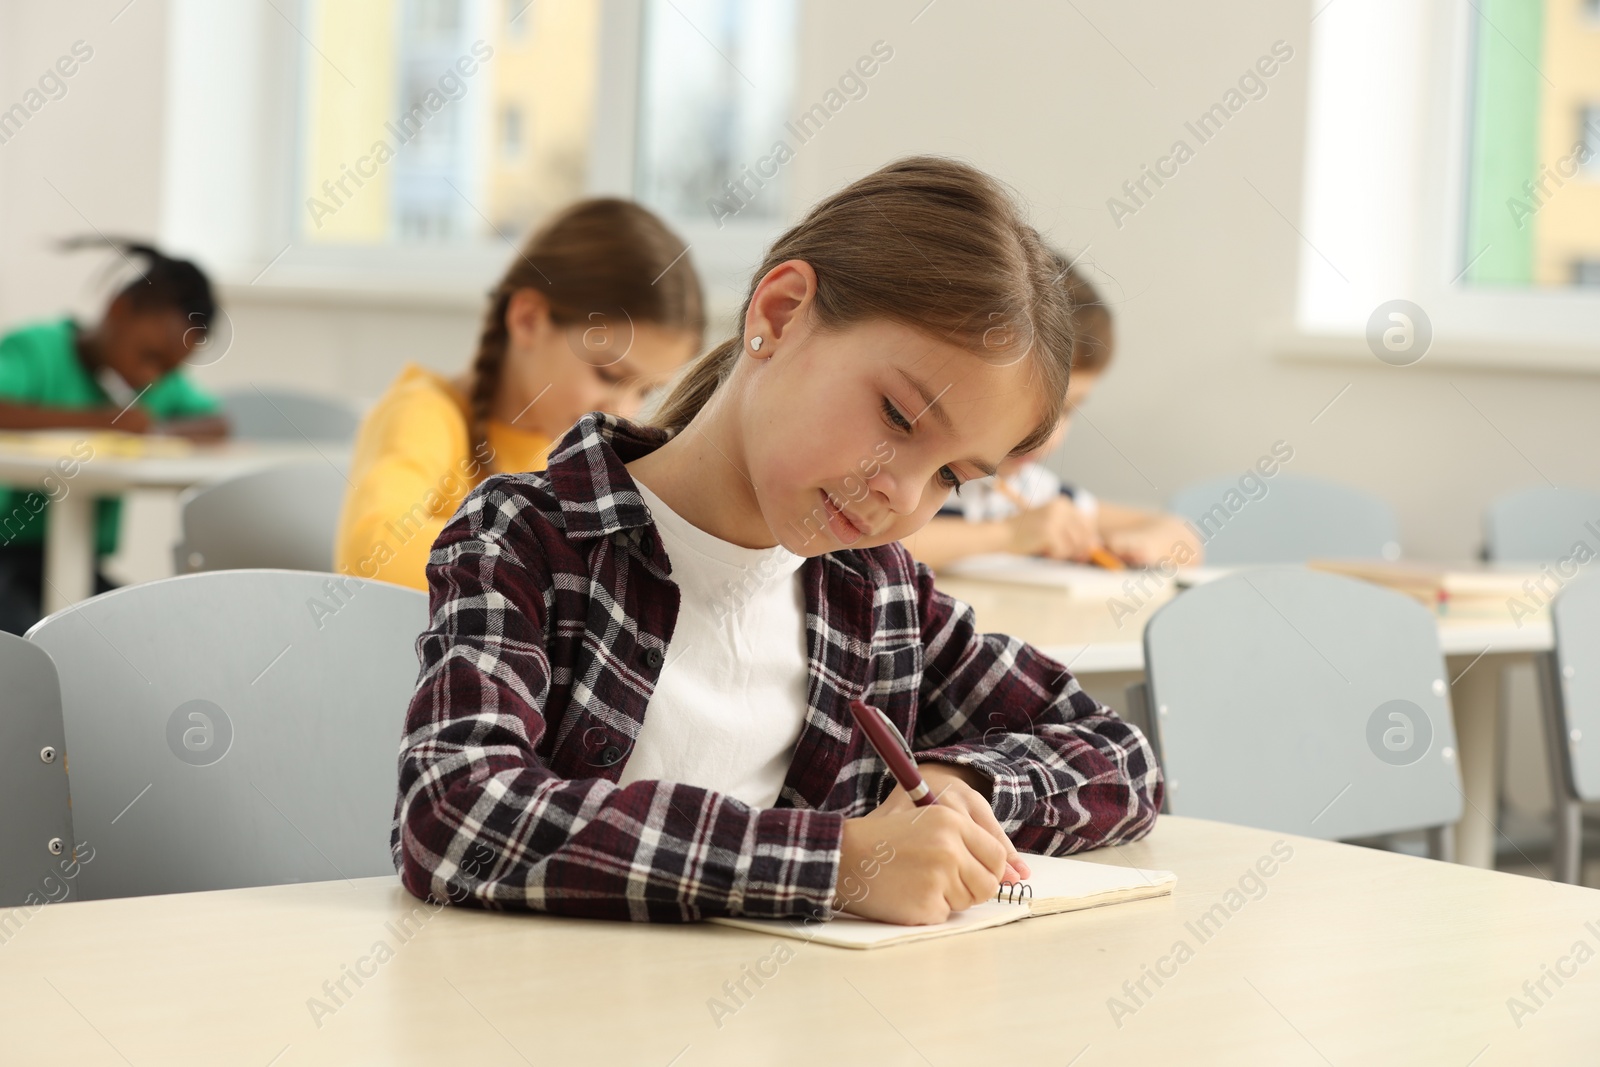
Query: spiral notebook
(1056, 884)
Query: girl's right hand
(916, 867)
(1057, 530)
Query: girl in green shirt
(60, 375)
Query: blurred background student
(598, 308)
(1027, 509)
(119, 375)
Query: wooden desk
(1343, 955)
(34, 461)
(1108, 655)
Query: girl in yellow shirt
(600, 307)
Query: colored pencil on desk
(1097, 555)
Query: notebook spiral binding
(1014, 892)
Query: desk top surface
(1273, 949)
(1092, 635)
(109, 461)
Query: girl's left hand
(1155, 542)
(957, 787)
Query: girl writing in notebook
(600, 306)
(1026, 509)
(634, 696)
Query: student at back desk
(122, 374)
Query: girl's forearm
(1119, 518)
(521, 850)
(1067, 773)
(204, 427)
(945, 540)
(35, 417)
(1163, 532)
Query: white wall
(1052, 101)
(1035, 93)
(99, 145)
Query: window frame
(256, 249)
(723, 256)
(1532, 327)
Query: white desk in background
(1295, 952)
(119, 462)
(1107, 655)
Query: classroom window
(416, 118)
(1532, 204)
(1401, 93)
(715, 89)
(413, 121)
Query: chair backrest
(1303, 702)
(36, 841)
(1540, 524)
(1575, 617)
(288, 415)
(235, 728)
(1288, 520)
(283, 516)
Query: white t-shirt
(731, 699)
(981, 501)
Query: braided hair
(603, 256)
(162, 283)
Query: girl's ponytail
(699, 381)
(162, 283)
(493, 340)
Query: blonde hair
(933, 244)
(602, 256)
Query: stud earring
(755, 344)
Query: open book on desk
(1078, 579)
(1466, 590)
(1057, 884)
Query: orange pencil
(1100, 557)
(1097, 555)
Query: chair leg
(1569, 840)
(1442, 843)
(1566, 808)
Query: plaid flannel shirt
(552, 610)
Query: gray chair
(36, 842)
(1307, 703)
(1531, 526)
(1570, 686)
(1540, 524)
(285, 516)
(235, 728)
(258, 414)
(1297, 519)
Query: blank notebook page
(1058, 884)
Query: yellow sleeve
(409, 472)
